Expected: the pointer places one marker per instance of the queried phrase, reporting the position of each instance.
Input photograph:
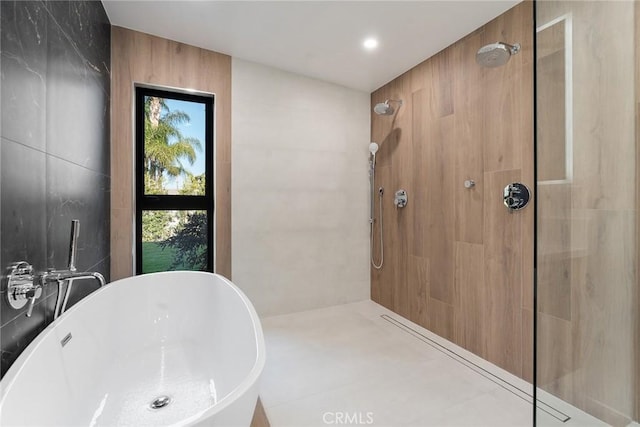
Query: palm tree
(165, 148)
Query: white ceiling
(321, 39)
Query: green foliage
(190, 243)
(153, 186)
(155, 223)
(171, 239)
(165, 148)
(156, 226)
(156, 258)
(193, 185)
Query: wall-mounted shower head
(496, 54)
(384, 109)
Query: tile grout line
(55, 156)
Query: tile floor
(361, 364)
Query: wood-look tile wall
(456, 261)
(138, 58)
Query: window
(174, 181)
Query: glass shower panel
(586, 119)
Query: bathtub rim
(252, 377)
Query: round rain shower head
(373, 148)
(496, 54)
(384, 109)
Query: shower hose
(377, 266)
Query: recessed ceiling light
(370, 43)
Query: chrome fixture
(384, 109)
(400, 199)
(24, 286)
(60, 276)
(21, 286)
(73, 243)
(469, 183)
(373, 149)
(516, 196)
(159, 402)
(377, 266)
(70, 274)
(496, 54)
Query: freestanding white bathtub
(189, 337)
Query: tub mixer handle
(22, 288)
(32, 294)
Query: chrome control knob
(516, 196)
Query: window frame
(174, 202)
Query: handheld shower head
(373, 149)
(496, 54)
(384, 109)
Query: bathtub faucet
(70, 274)
(63, 275)
(60, 276)
(24, 286)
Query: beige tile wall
(301, 198)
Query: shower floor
(361, 364)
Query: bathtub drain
(160, 402)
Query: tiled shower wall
(300, 190)
(55, 80)
(456, 261)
